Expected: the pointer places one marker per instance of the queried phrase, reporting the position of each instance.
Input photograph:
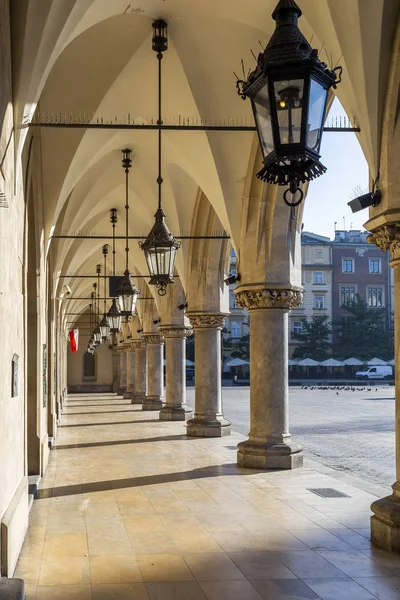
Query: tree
(314, 339)
(362, 332)
(238, 347)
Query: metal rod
(107, 298)
(74, 276)
(159, 123)
(123, 126)
(138, 237)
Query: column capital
(153, 338)
(204, 320)
(176, 332)
(386, 237)
(138, 344)
(275, 298)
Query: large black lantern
(114, 317)
(289, 93)
(160, 246)
(160, 249)
(127, 292)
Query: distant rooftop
(312, 238)
(351, 236)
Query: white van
(376, 373)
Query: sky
(329, 194)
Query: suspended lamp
(96, 330)
(104, 323)
(114, 314)
(127, 291)
(160, 245)
(289, 92)
(90, 347)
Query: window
(347, 295)
(319, 302)
(347, 265)
(235, 330)
(375, 297)
(318, 277)
(297, 327)
(233, 271)
(374, 265)
(233, 301)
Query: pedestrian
(235, 378)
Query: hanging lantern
(289, 92)
(160, 249)
(97, 335)
(114, 317)
(104, 327)
(160, 245)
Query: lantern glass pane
(289, 107)
(262, 115)
(163, 260)
(151, 258)
(316, 114)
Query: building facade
(335, 271)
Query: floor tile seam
(369, 591)
(377, 564)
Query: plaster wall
(103, 367)
(12, 287)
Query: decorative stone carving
(386, 237)
(153, 338)
(206, 320)
(284, 299)
(138, 344)
(176, 332)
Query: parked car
(378, 372)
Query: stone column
(208, 419)
(175, 408)
(140, 394)
(269, 445)
(115, 371)
(130, 372)
(385, 523)
(122, 371)
(155, 372)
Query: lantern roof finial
(284, 5)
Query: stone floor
(131, 509)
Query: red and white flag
(73, 338)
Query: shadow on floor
(124, 442)
(112, 423)
(133, 482)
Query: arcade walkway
(132, 509)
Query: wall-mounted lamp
(183, 306)
(139, 331)
(365, 201)
(232, 279)
(156, 321)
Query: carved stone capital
(206, 320)
(387, 237)
(176, 332)
(138, 344)
(153, 338)
(277, 299)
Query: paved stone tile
(345, 589)
(384, 588)
(286, 589)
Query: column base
(127, 395)
(175, 413)
(138, 398)
(385, 523)
(152, 403)
(120, 391)
(261, 456)
(219, 427)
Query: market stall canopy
(332, 362)
(376, 362)
(236, 362)
(391, 362)
(291, 363)
(353, 362)
(308, 362)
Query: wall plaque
(14, 376)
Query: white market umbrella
(332, 362)
(376, 362)
(308, 362)
(291, 362)
(353, 362)
(189, 363)
(236, 362)
(392, 362)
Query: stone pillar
(208, 419)
(175, 408)
(155, 372)
(269, 445)
(115, 371)
(130, 372)
(140, 394)
(385, 523)
(122, 371)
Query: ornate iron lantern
(114, 317)
(289, 92)
(160, 245)
(127, 291)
